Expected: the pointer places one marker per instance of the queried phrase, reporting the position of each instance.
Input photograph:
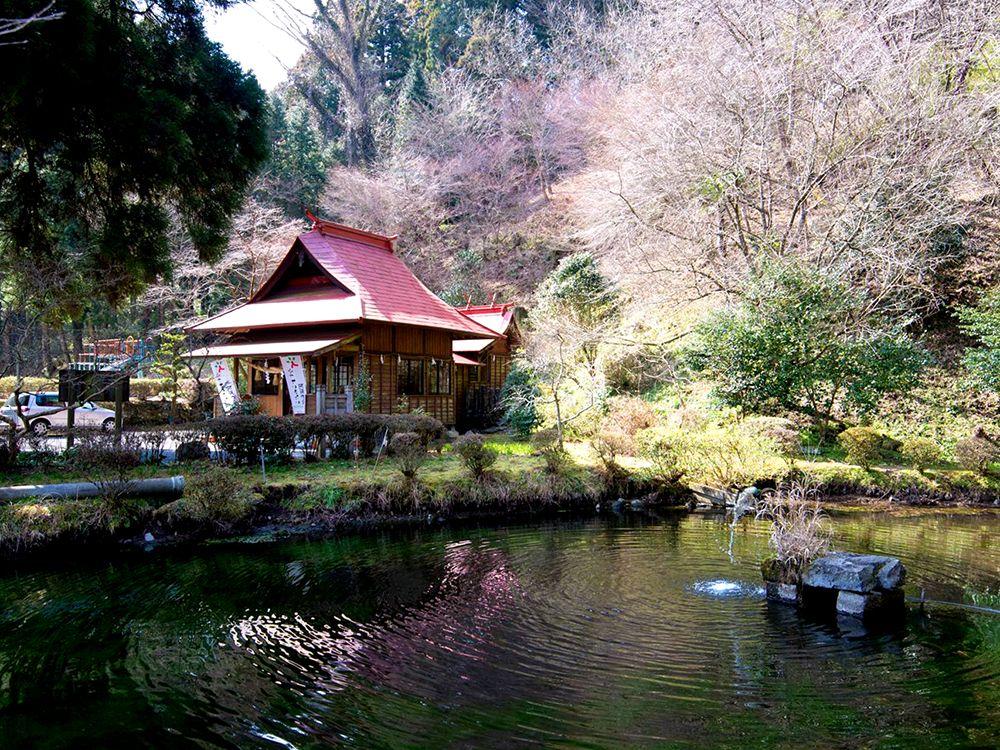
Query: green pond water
(600, 633)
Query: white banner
(295, 382)
(228, 394)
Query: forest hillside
(786, 209)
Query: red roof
(461, 359)
(495, 317)
(378, 284)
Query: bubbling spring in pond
(723, 589)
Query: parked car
(45, 410)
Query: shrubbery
(477, 456)
(795, 340)
(546, 444)
(340, 432)
(29, 524)
(658, 445)
(243, 436)
(782, 432)
(920, 452)
(192, 450)
(101, 452)
(608, 445)
(629, 414)
(977, 452)
(626, 416)
(240, 434)
(862, 445)
(519, 398)
(146, 389)
(217, 497)
(26, 385)
(152, 413)
(153, 445)
(410, 452)
(982, 322)
(726, 456)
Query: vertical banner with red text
(225, 384)
(295, 382)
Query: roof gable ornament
(342, 231)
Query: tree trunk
(77, 338)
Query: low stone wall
(851, 584)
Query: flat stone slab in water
(864, 605)
(847, 571)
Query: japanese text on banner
(295, 381)
(225, 384)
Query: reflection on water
(591, 634)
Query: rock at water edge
(858, 573)
(852, 603)
(877, 603)
(782, 592)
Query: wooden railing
(332, 403)
(336, 403)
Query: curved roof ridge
(334, 229)
(386, 287)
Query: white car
(45, 410)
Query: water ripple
(576, 634)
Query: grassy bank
(221, 501)
(940, 484)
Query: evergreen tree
(519, 399)
(171, 366)
(113, 118)
(413, 94)
(982, 322)
(804, 339)
(296, 173)
(579, 291)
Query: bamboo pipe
(159, 487)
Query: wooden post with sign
(119, 408)
(70, 422)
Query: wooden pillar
(119, 408)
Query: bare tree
(338, 36)
(11, 26)
(482, 155)
(259, 238)
(740, 132)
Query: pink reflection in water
(468, 603)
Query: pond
(599, 633)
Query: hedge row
(242, 436)
(147, 414)
(8, 383)
(141, 389)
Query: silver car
(45, 410)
